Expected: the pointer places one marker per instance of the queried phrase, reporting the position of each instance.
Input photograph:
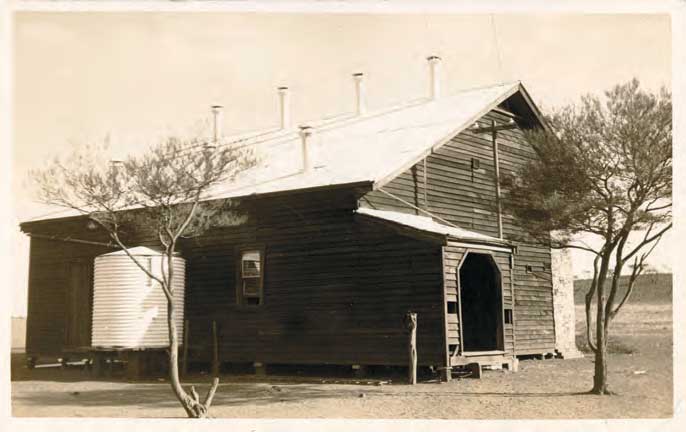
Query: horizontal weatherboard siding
(466, 197)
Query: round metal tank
(130, 308)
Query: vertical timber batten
(496, 178)
(447, 374)
(513, 304)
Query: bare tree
(604, 170)
(161, 194)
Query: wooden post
(184, 364)
(360, 371)
(493, 130)
(99, 364)
(411, 324)
(215, 352)
(260, 368)
(135, 365)
(496, 161)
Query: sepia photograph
(331, 214)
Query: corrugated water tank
(130, 308)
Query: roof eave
(379, 183)
(441, 238)
(534, 108)
(363, 186)
(405, 230)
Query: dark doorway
(77, 332)
(481, 304)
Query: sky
(139, 76)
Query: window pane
(251, 286)
(250, 277)
(251, 255)
(250, 264)
(251, 269)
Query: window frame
(238, 266)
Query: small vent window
(508, 316)
(452, 307)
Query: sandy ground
(640, 374)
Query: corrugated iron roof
(374, 147)
(350, 149)
(427, 224)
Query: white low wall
(563, 303)
(18, 334)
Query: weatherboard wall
(336, 287)
(460, 191)
(52, 312)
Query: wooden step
(506, 361)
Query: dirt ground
(640, 374)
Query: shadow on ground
(237, 394)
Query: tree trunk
(600, 376)
(180, 393)
(190, 403)
(411, 322)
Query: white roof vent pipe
(360, 107)
(434, 76)
(305, 134)
(284, 107)
(216, 126)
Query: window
(452, 307)
(476, 164)
(250, 277)
(508, 316)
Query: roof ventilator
(305, 133)
(360, 107)
(284, 107)
(434, 76)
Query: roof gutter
(71, 240)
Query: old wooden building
(350, 223)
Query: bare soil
(640, 374)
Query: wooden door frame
(499, 283)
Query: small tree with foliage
(604, 170)
(162, 194)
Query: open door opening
(481, 304)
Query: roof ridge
(349, 117)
